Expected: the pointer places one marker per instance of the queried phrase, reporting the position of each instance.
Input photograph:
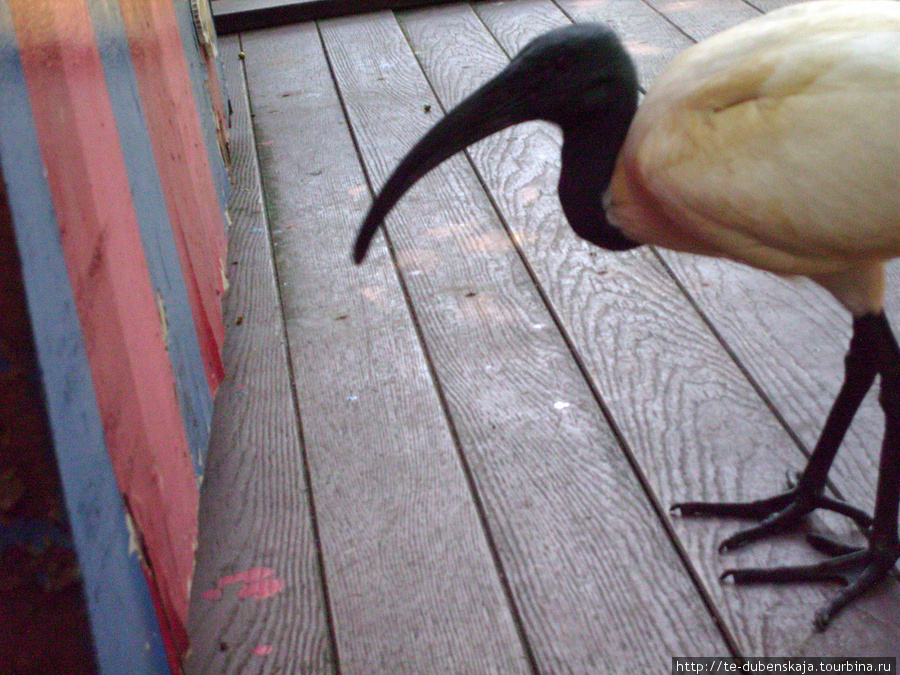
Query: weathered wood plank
(508, 28)
(412, 583)
(255, 520)
(769, 5)
(704, 18)
(557, 491)
(699, 387)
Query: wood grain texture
(558, 493)
(664, 376)
(508, 29)
(650, 38)
(254, 508)
(700, 19)
(412, 583)
(769, 5)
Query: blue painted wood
(124, 626)
(160, 248)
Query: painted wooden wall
(111, 135)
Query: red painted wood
(176, 132)
(120, 320)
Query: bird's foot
(858, 570)
(776, 514)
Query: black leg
(884, 545)
(785, 510)
(873, 350)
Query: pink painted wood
(184, 168)
(120, 318)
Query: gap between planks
(255, 519)
(485, 273)
(414, 585)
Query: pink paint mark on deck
(260, 590)
(263, 650)
(258, 583)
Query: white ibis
(776, 144)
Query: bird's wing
(778, 142)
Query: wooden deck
(458, 458)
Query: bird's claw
(872, 565)
(777, 522)
(755, 510)
(777, 514)
(828, 571)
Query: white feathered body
(777, 144)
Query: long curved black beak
(494, 106)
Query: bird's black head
(577, 77)
(571, 75)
